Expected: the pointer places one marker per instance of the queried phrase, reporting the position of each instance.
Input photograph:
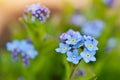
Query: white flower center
(73, 57)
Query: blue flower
(93, 28)
(63, 48)
(78, 20)
(23, 45)
(73, 56)
(88, 55)
(28, 49)
(91, 45)
(13, 46)
(79, 44)
(31, 52)
(73, 39)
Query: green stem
(72, 72)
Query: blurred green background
(50, 65)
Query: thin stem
(72, 72)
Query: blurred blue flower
(31, 52)
(63, 48)
(24, 47)
(32, 8)
(80, 72)
(91, 45)
(108, 2)
(78, 19)
(14, 45)
(93, 28)
(111, 44)
(88, 55)
(37, 11)
(73, 56)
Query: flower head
(38, 11)
(73, 57)
(91, 45)
(73, 40)
(14, 45)
(63, 48)
(88, 55)
(24, 48)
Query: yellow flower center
(90, 46)
(64, 48)
(73, 40)
(87, 55)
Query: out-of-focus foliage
(49, 65)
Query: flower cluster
(93, 28)
(77, 47)
(24, 48)
(38, 11)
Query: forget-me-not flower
(63, 48)
(88, 55)
(37, 11)
(91, 45)
(73, 57)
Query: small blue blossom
(80, 72)
(93, 28)
(111, 44)
(24, 47)
(31, 52)
(73, 39)
(79, 44)
(91, 45)
(78, 19)
(88, 55)
(73, 56)
(11, 46)
(63, 48)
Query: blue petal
(75, 61)
(69, 59)
(69, 54)
(58, 50)
(93, 59)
